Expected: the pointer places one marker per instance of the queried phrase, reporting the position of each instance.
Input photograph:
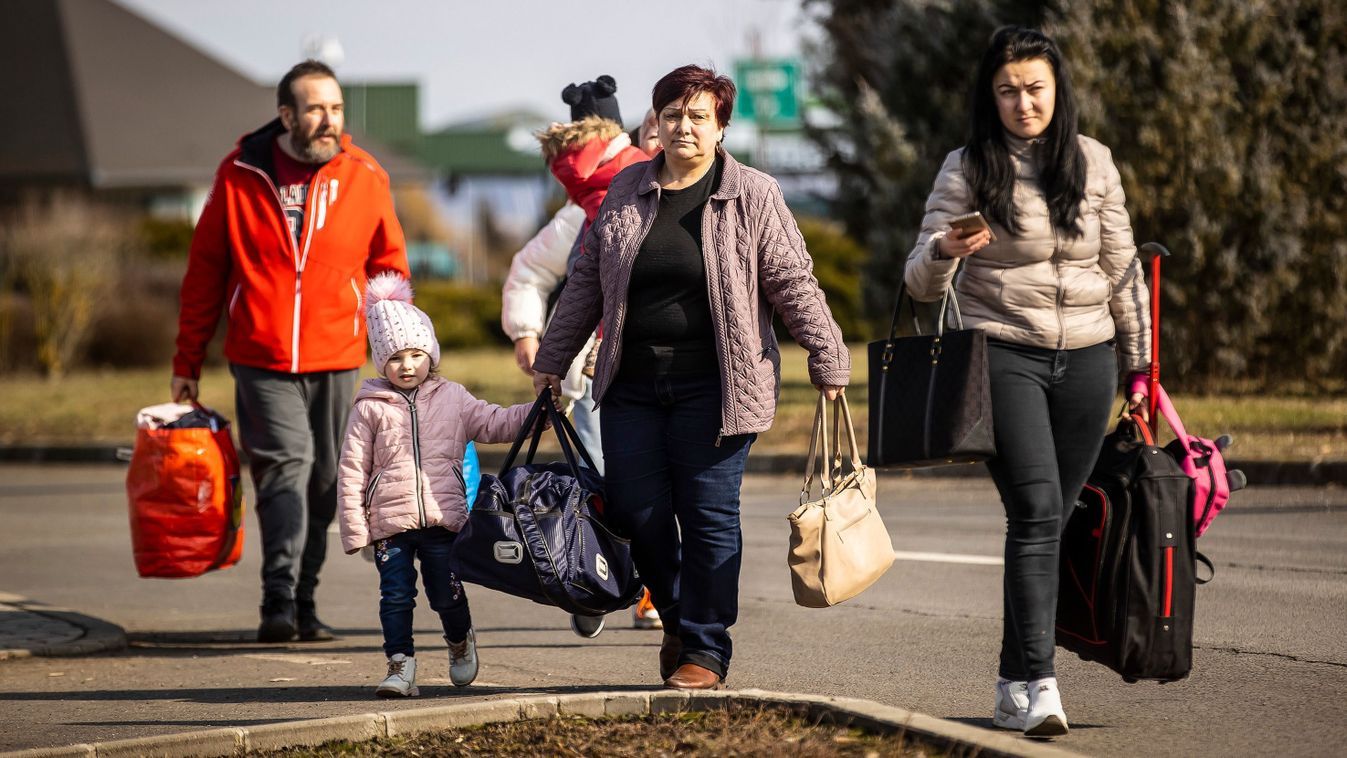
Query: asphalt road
(1270, 670)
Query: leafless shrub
(64, 251)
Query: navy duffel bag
(536, 531)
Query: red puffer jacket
(585, 155)
(290, 307)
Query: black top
(668, 325)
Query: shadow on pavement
(353, 693)
(243, 641)
(986, 723)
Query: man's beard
(311, 150)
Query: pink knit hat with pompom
(394, 324)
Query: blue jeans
(1050, 410)
(585, 419)
(396, 559)
(675, 492)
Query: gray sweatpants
(291, 426)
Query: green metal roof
(475, 152)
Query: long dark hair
(986, 157)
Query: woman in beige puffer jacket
(1056, 285)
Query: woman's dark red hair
(686, 82)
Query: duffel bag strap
(532, 425)
(569, 440)
(1205, 561)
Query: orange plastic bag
(184, 490)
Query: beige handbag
(838, 544)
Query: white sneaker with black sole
(401, 679)
(1045, 717)
(463, 660)
(1012, 702)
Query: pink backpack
(1200, 458)
(1203, 462)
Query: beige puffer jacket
(1041, 288)
(401, 470)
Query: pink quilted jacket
(401, 463)
(756, 263)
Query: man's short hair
(285, 94)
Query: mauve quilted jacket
(400, 471)
(756, 263)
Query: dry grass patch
(738, 731)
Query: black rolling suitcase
(1128, 578)
(1127, 572)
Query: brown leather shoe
(690, 676)
(669, 650)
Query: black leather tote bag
(537, 531)
(930, 395)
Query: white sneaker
(1012, 701)
(644, 615)
(1045, 717)
(463, 660)
(401, 679)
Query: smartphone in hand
(970, 223)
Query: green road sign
(768, 91)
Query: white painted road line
(974, 560)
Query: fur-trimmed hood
(587, 155)
(558, 138)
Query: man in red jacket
(297, 220)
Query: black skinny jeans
(1051, 409)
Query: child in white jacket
(400, 481)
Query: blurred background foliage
(1227, 119)
(1228, 122)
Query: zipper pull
(719, 435)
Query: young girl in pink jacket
(401, 485)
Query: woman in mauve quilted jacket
(687, 260)
(1056, 285)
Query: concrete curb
(957, 739)
(99, 636)
(1262, 473)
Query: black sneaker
(278, 621)
(586, 626)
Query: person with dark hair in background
(1059, 292)
(298, 220)
(688, 257)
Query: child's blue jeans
(396, 559)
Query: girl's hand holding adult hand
(961, 244)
